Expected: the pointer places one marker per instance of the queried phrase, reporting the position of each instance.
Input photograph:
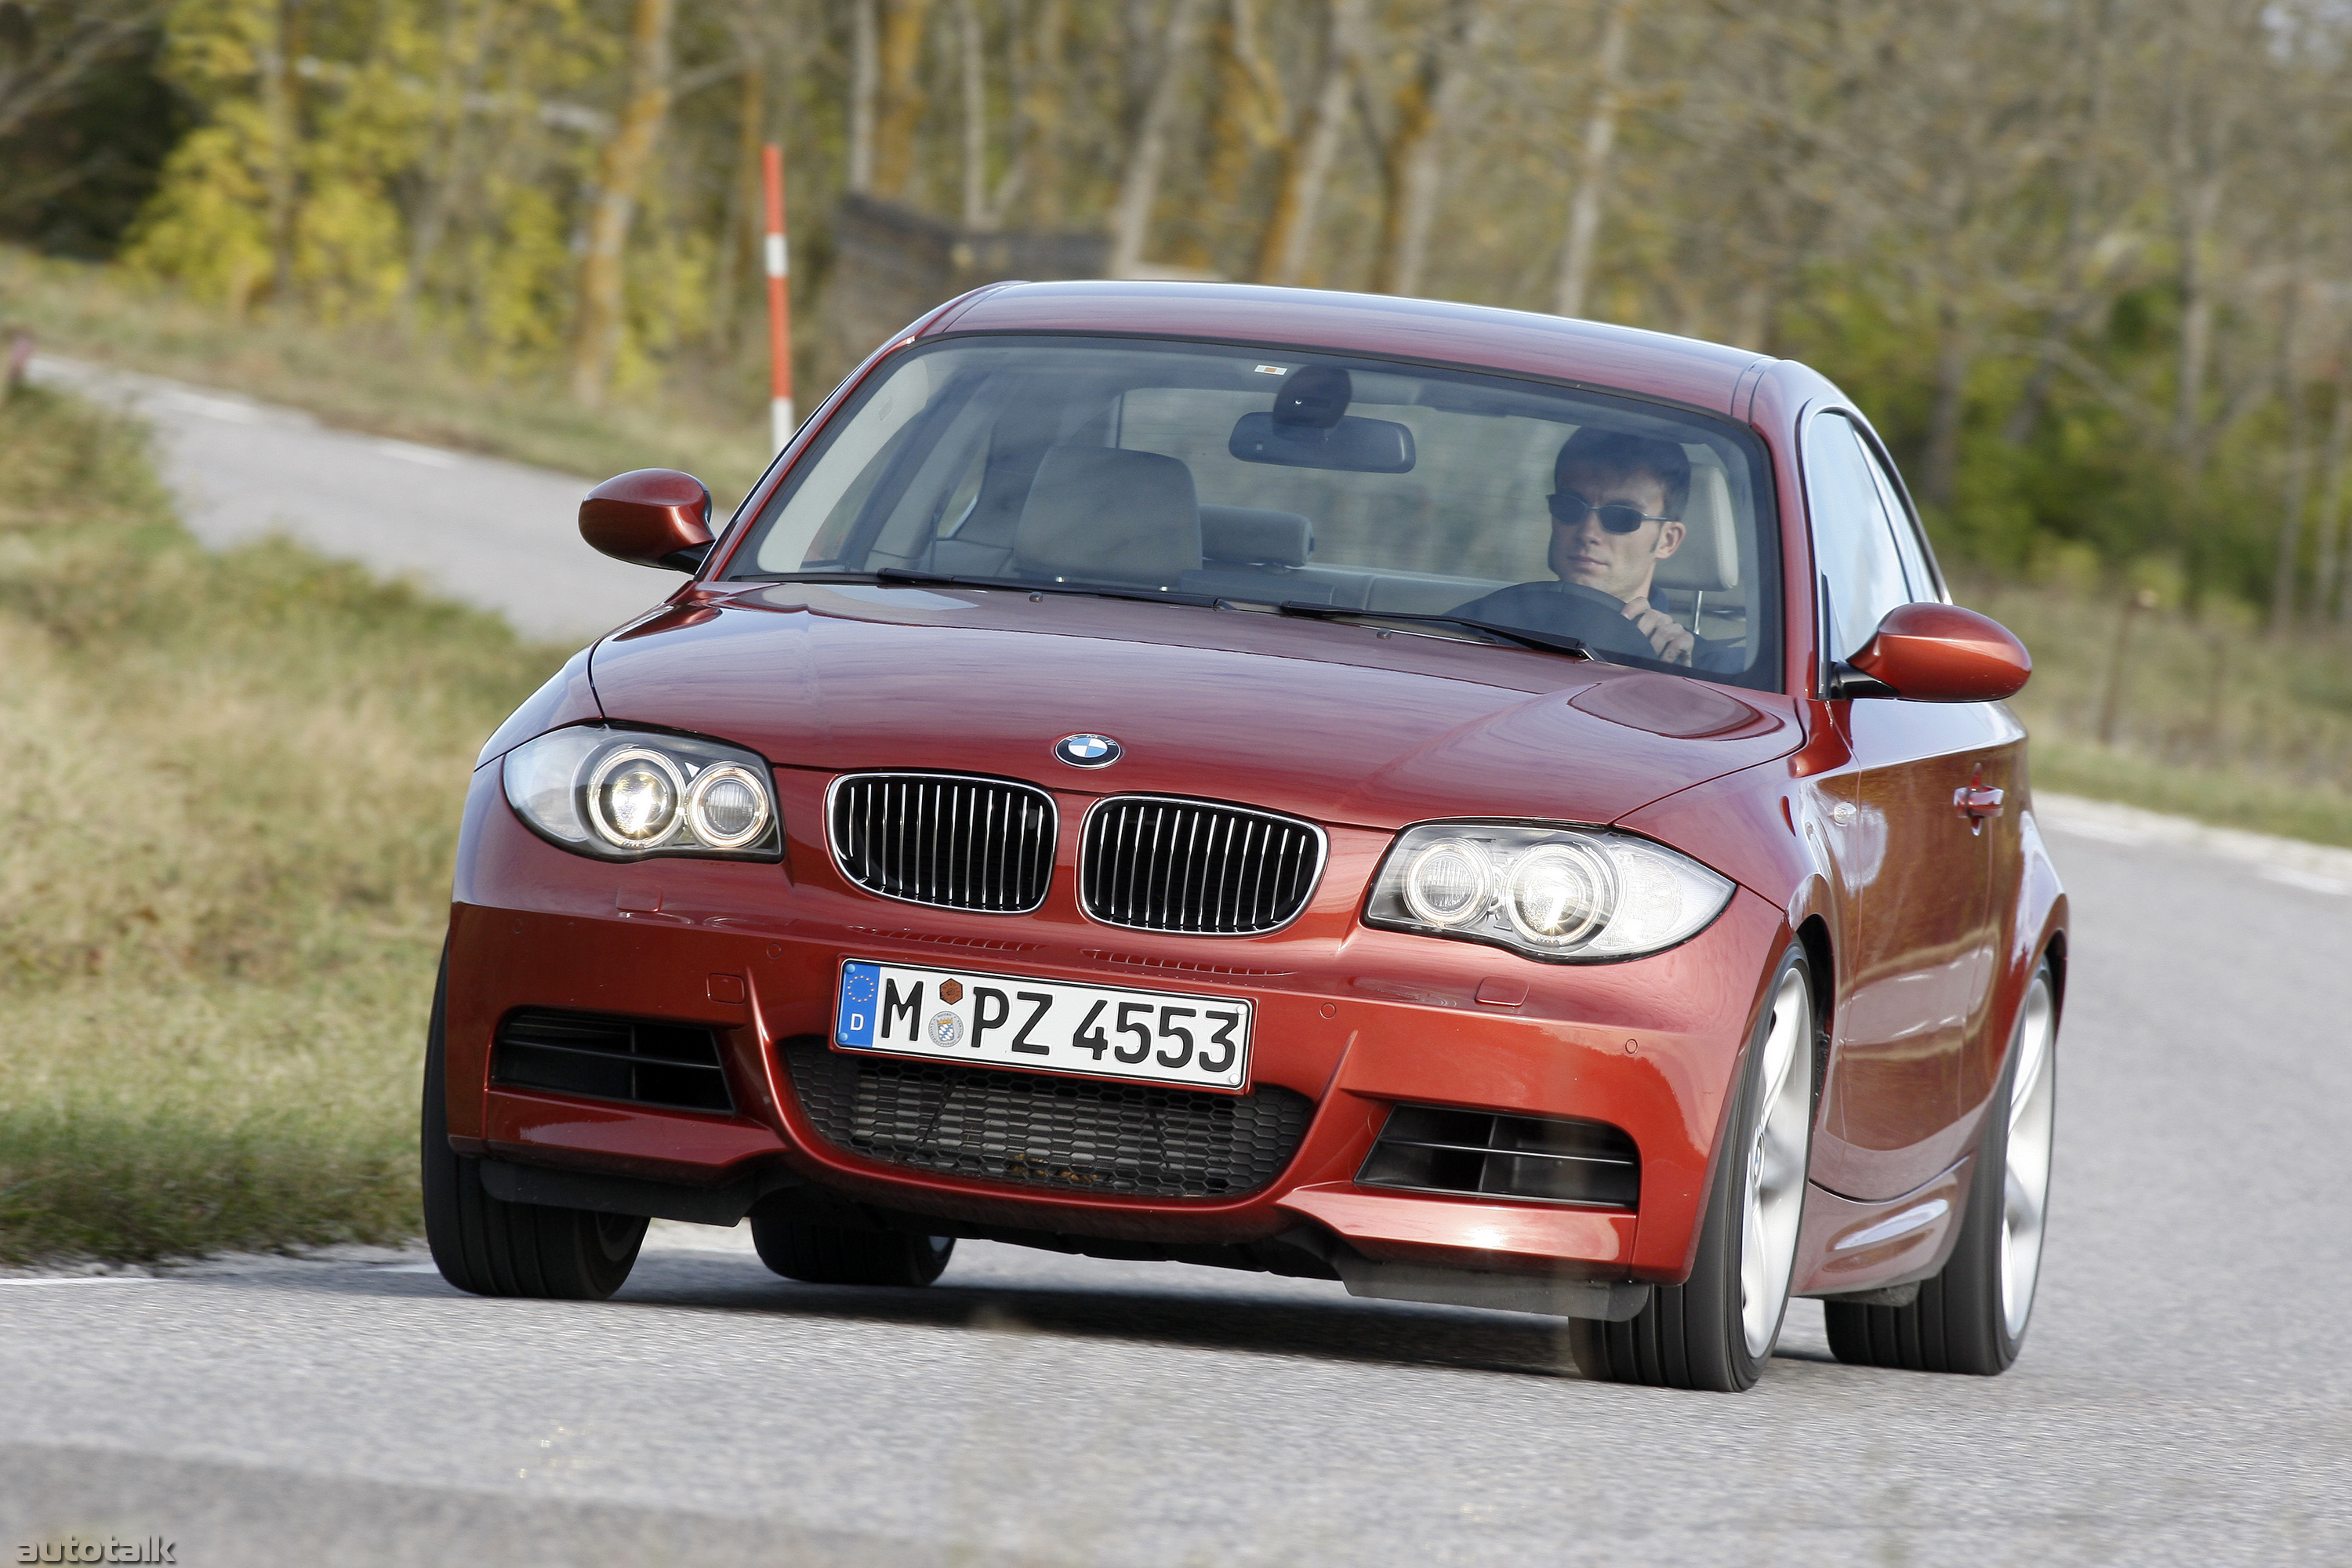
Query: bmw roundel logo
(1088, 750)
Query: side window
(1918, 565)
(1853, 539)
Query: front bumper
(1356, 1019)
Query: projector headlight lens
(727, 806)
(633, 797)
(1562, 894)
(1448, 882)
(621, 795)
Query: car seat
(1099, 514)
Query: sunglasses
(1569, 509)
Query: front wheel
(1717, 1330)
(1971, 1317)
(492, 1248)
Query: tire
(830, 1255)
(1972, 1316)
(1717, 1330)
(491, 1247)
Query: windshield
(1267, 477)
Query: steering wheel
(1597, 618)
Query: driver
(1616, 513)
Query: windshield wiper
(1550, 642)
(1093, 590)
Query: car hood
(1334, 722)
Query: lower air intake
(1425, 1149)
(644, 1063)
(1128, 1140)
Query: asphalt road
(2183, 1398)
(492, 533)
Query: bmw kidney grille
(1153, 863)
(944, 839)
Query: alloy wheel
(1774, 1200)
(2025, 1177)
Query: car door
(1917, 956)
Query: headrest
(1708, 560)
(1255, 536)
(1101, 515)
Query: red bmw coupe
(1481, 807)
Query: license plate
(1001, 1020)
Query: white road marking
(2308, 882)
(2317, 867)
(431, 457)
(2104, 833)
(226, 408)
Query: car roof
(1592, 353)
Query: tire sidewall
(1988, 1190)
(1728, 1203)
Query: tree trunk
(1592, 163)
(2331, 506)
(2195, 325)
(1939, 476)
(2286, 567)
(1248, 115)
(1307, 158)
(1138, 184)
(281, 91)
(1413, 159)
(1042, 112)
(2196, 202)
(739, 238)
(457, 82)
(1751, 316)
(975, 116)
(901, 113)
(865, 76)
(597, 334)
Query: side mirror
(654, 517)
(1939, 653)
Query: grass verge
(369, 376)
(235, 784)
(2200, 715)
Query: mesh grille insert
(943, 840)
(1132, 1140)
(646, 1063)
(1155, 864)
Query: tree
(620, 173)
(48, 49)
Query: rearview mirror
(1357, 446)
(654, 517)
(1940, 653)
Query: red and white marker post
(780, 303)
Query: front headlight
(1568, 895)
(626, 795)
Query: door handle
(1975, 802)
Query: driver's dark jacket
(1542, 607)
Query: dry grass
(365, 377)
(2213, 719)
(233, 784)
